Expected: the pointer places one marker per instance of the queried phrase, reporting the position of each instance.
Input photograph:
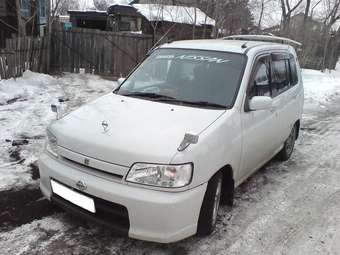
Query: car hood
(138, 130)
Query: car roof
(234, 46)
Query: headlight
(167, 176)
(51, 144)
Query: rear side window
(293, 71)
(280, 75)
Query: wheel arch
(297, 124)
(228, 184)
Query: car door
(292, 105)
(282, 94)
(259, 127)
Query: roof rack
(264, 38)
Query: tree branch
(8, 25)
(296, 6)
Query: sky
(272, 10)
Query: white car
(154, 159)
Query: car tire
(288, 146)
(211, 203)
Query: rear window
(293, 71)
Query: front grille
(112, 215)
(92, 169)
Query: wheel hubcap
(217, 200)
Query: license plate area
(72, 196)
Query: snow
(171, 13)
(320, 87)
(25, 113)
(119, 2)
(86, 5)
(285, 208)
(12, 242)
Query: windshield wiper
(163, 98)
(206, 104)
(194, 103)
(148, 95)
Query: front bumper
(152, 215)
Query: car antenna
(243, 46)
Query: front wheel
(288, 146)
(210, 206)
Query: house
(177, 22)
(124, 18)
(33, 14)
(89, 19)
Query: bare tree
(331, 13)
(68, 5)
(194, 23)
(22, 21)
(331, 16)
(235, 17)
(287, 9)
(101, 4)
(313, 8)
(52, 11)
(21, 25)
(156, 12)
(261, 15)
(307, 7)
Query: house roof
(119, 9)
(171, 13)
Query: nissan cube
(155, 158)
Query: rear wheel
(211, 203)
(288, 146)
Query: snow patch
(22, 239)
(25, 113)
(172, 13)
(319, 86)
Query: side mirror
(54, 108)
(120, 81)
(260, 103)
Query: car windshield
(187, 77)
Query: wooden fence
(98, 52)
(20, 54)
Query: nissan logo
(81, 185)
(105, 125)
